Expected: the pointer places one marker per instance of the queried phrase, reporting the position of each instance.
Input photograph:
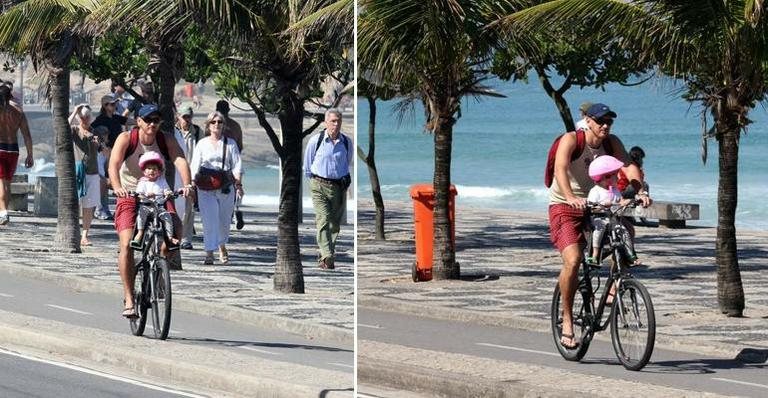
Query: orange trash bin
(423, 196)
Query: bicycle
(152, 286)
(631, 318)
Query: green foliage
(120, 56)
(573, 53)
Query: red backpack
(581, 142)
(134, 143)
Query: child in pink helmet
(603, 171)
(152, 184)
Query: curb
(196, 306)
(444, 384)
(169, 362)
(685, 344)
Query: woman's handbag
(209, 179)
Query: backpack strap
(581, 142)
(322, 136)
(134, 143)
(224, 154)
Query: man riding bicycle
(567, 199)
(124, 173)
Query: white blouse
(208, 153)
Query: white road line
(249, 348)
(101, 374)
(343, 365)
(6, 295)
(741, 382)
(58, 307)
(518, 349)
(369, 326)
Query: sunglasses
(154, 120)
(216, 122)
(604, 121)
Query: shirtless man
(11, 120)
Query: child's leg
(169, 229)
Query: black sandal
(571, 336)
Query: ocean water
(500, 147)
(261, 184)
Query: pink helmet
(151, 157)
(603, 165)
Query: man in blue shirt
(327, 159)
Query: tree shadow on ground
(255, 344)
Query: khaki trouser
(328, 201)
(188, 219)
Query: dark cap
(108, 99)
(597, 111)
(147, 110)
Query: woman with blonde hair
(217, 168)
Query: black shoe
(239, 218)
(186, 245)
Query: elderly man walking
(327, 160)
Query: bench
(669, 214)
(44, 191)
(20, 190)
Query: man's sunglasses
(604, 121)
(154, 120)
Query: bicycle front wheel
(161, 298)
(633, 325)
(140, 290)
(582, 321)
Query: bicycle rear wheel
(161, 298)
(582, 320)
(633, 325)
(140, 303)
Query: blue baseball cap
(147, 110)
(597, 111)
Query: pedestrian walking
(235, 132)
(191, 134)
(217, 168)
(327, 161)
(12, 119)
(87, 140)
(115, 123)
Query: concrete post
(46, 196)
(19, 201)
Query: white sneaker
(4, 219)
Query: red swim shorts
(566, 226)
(8, 162)
(125, 213)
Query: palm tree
(43, 31)
(718, 49)
(443, 46)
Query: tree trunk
(165, 56)
(68, 226)
(730, 293)
(444, 251)
(289, 275)
(557, 96)
(373, 174)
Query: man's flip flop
(130, 312)
(573, 346)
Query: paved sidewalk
(241, 290)
(509, 270)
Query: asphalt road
(47, 300)
(25, 376)
(667, 368)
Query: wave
(273, 166)
(271, 201)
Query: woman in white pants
(216, 206)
